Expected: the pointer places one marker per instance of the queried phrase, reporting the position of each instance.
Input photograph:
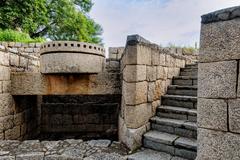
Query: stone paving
(71, 149)
(62, 150)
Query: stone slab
(219, 41)
(148, 154)
(137, 116)
(134, 73)
(5, 73)
(38, 84)
(161, 137)
(135, 93)
(213, 114)
(71, 63)
(132, 138)
(217, 79)
(234, 115)
(216, 145)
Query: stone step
(177, 113)
(191, 66)
(185, 80)
(182, 90)
(182, 128)
(149, 154)
(184, 73)
(189, 69)
(171, 143)
(180, 101)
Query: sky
(160, 21)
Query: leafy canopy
(54, 19)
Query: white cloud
(160, 21)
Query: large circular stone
(71, 57)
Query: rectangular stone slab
(67, 84)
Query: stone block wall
(113, 62)
(147, 70)
(23, 57)
(18, 114)
(84, 117)
(218, 86)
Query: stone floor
(74, 150)
(62, 150)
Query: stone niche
(71, 57)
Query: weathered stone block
(167, 60)
(135, 73)
(38, 84)
(155, 57)
(151, 73)
(1, 136)
(13, 134)
(6, 105)
(6, 86)
(135, 93)
(5, 73)
(234, 115)
(76, 63)
(212, 114)
(4, 58)
(217, 145)
(30, 156)
(137, 54)
(151, 90)
(137, 116)
(220, 41)
(23, 62)
(6, 122)
(162, 72)
(14, 59)
(132, 138)
(159, 89)
(155, 104)
(19, 118)
(155, 90)
(171, 72)
(217, 79)
(162, 59)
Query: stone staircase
(174, 128)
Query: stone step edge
(175, 109)
(174, 87)
(175, 140)
(176, 123)
(180, 97)
(185, 77)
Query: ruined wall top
(137, 39)
(221, 15)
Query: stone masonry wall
(18, 114)
(147, 71)
(84, 117)
(22, 57)
(219, 86)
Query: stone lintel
(69, 84)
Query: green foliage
(54, 19)
(188, 50)
(15, 36)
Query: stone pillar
(147, 70)
(218, 86)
